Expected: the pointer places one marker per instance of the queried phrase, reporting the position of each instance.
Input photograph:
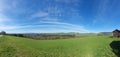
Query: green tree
(3, 33)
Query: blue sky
(49, 16)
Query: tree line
(48, 36)
(44, 36)
(2, 33)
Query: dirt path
(1, 35)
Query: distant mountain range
(105, 33)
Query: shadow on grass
(115, 45)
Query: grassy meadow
(92, 46)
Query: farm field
(92, 46)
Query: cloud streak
(56, 26)
(40, 14)
(72, 27)
(48, 18)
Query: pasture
(92, 46)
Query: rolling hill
(93, 46)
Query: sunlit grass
(92, 46)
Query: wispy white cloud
(50, 15)
(5, 5)
(58, 10)
(48, 18)
(70, 27)
(49, 26)
(2, 27)
(43, 16)
(40, 14)
(68, 1)
(104, 6)
(4, 19)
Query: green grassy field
(93, 46)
